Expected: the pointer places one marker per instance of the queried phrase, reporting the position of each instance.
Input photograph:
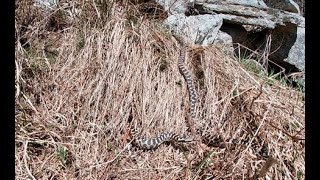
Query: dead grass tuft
(73, 113)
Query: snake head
(185, 138)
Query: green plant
(62, 155)
(276, 78)
(80, 41)
(252, 66)
(299, 175)
(204, 161)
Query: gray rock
(47, 4)
(253, 3)
(286, 5)
(221, 38)
(239, 14)
(173, 6)
(292, 6)
(200, 29)
(296, 55)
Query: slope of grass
(109, 77)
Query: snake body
(152, 143)
(187, 77)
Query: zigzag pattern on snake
(187, 77)
(152, 143)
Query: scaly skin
(187, 77)
(153, 143)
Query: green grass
(80, 41)
(204, 162)
(252, 66)
(273, 77)
(299, 175)
(62, 156)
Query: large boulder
(201, 29)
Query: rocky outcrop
(248, 22)
(240, 14)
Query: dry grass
(73, 109)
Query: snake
(152, 143)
